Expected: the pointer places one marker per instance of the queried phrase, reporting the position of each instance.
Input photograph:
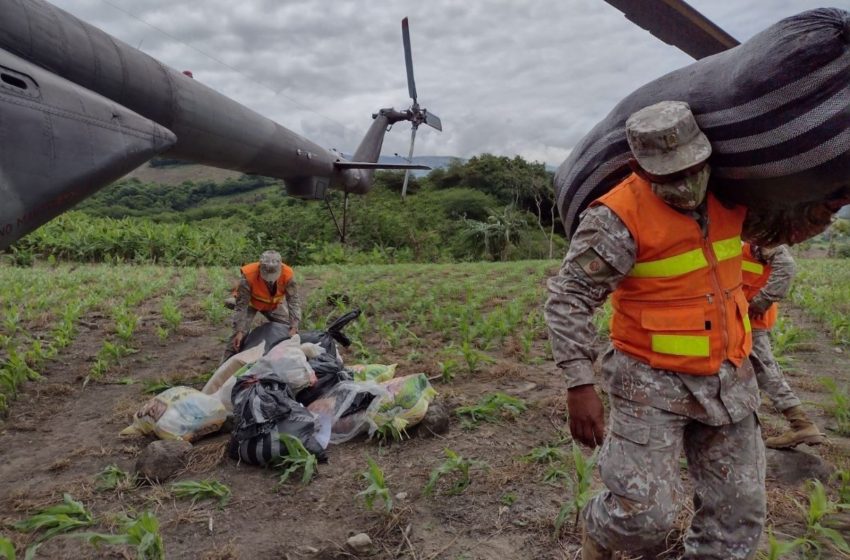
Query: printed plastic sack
(287, 361)
(408, 403)
(178, 413)
(373, 372)
(264, 408)
(348, 406)
(777, 114)
(233, 364)
(269, 333)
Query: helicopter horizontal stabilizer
(368, 165)
(433, 120)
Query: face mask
(686, 193)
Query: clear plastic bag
(289, 362)
(178, 413)
(348, 406)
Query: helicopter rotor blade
(678, 24)
(433, 120)
(409, 160)
(408, 59)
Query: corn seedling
(297, 457)
(555, 473)
(508, 499)
(472, 357)
(171, 314)
(785, 337)
(156, 386)
(113, 477)
(776, 549)
(840, 407)
(55, 520)
(457, 465)
(492, 408)
(544, 454)
(141, 532)
(202, 490)
(377, 489)
(7, 549)
(581, 493)
(448, 369)
(125, 324)
(815, 517)
(843, 479)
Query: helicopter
(80, 109)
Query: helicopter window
(13, 81)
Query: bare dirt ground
(59, 435)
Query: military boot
(802, 430)
(591, 550)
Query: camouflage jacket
(778, 284)
(243, 313)
(601, 254)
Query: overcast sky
(527, 77)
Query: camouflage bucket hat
(666, 139)
(270, 265)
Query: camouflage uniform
(287, 313)
(655, 414)
(770, 378)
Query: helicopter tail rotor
(416, 115)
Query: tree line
(487, 208)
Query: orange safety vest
(681, 307)
(756, 274)
(261, 299)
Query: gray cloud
(506, 76)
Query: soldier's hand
(237, 340)
(293, 331)
(587, 416)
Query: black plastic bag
(776, 110)
(329, 371)
(328, 338)
(264, 408)
(270, 333)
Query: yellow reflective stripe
(727, 248)
(671, 266)
(747, 326)
(755, 268)
(681, 345)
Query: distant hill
(177, 174)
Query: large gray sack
(777, 112)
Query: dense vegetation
(490, 208)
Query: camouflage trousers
(640, 465)
(279, 314)
(770, 378)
